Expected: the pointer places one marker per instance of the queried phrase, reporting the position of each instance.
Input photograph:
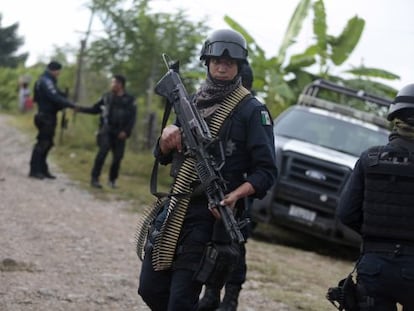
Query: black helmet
(403, 103)
(246, 74)
(224, 41)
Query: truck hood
(316, 151)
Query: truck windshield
(336, 132)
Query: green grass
(293, 276)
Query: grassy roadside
(297, 277)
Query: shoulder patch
(265, 117)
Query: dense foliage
(281, 78)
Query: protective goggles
(219, 48)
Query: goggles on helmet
(219, 48)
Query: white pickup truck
(318, 142)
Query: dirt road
(60, 248)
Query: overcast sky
(387, 41)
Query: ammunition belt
(166, 241)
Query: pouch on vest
(218, 261)
(155, 227)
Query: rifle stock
(198, 143)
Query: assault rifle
(64, 119)
(198, 143)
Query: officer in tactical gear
(249, 170)
(49, 101)
(211, 299)
(378, 204)
(118, 112)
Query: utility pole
(79, 65)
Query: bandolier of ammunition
(166, 241)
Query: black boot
(45, 170)
(230, 299)
(35, 163)
(210, 300)
(44, 167)
(112, 184)
(95, 183)
(36, 175)
(47, 174)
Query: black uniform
(49, 101)
(249, 148)
(118, 114)
(378, 203)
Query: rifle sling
(154, 173)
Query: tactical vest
(389, 194)
(117, 110)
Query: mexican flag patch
(265, 118)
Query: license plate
(302, 213)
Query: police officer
(248, 142)
(117, 111)
(378, 204)
(49, 101)
(211, 298)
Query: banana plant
(270, 73)
(281, 78)
(334, 51)
(331, 50)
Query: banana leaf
(373, 72)
(299, 61)
(294, 28)
(347, 40)
(320, 27)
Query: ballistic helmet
(246, 74)
(54, 65)
(403, 104)
(225, 42)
